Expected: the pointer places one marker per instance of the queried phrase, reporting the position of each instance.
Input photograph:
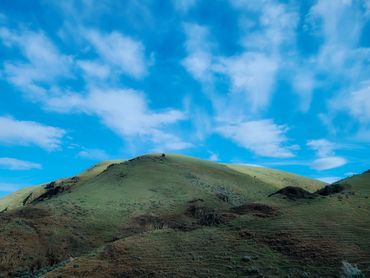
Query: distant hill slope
(17, 198)
(277, 178)
(177, 216)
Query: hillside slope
(277, 178)
(17, 199)
(179, 216)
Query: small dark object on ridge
(163, 155)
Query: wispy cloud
(42, 63)
(329, 179)
(330, 162)
(9, 187)
(93, 69)
(184, 5)
(213, 157)
(199, 59)
(120, 51)
(252, 74)
(16, 132)
(356, 103)
(343, 60)
(324, 150)
(93, 154)
(17, 164)
(126, 113)
(263, 137)
(322, 147)
(113, 54)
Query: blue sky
(280, 84)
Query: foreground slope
(179, 216)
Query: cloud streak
(125, 112)
(27, 133)
(263, 137)
(324, 150)
(17, 164)
(120, 51)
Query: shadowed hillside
(166, 216)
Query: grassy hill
(180, 216)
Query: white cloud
(199, 58)
(275, 26)
(330, 162)
(213, 157)
(184, 5)
(355, 103)
(16, 164)
(166, 141)
(252, 71)
(322, 147)
(14, 132)
(94, 69)
(252, 165)
(329, 180)
(93, 154)
(43, 62)
(252, 74)
(324, 150)
(303, 84)
(262, 137)
(122, 52)
(367, 7)
(126, 113)
(9, 187)
(331, 21)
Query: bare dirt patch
(318, 251)
(259, 210)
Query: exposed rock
(246, 258)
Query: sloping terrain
(277, 178)
(176, 216)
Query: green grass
(277, 178)
(95, 222)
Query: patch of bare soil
(259, 210)
(147, 222)
(246, 234)
(322, 252)
(195, 216)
